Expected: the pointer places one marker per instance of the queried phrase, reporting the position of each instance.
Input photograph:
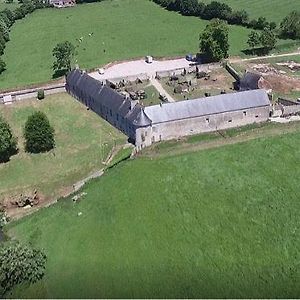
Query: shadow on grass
(59, 73)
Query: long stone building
(147, 125)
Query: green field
(83, 140)
(219, 223)
(11, 6)
(273, 10)
(121, 27)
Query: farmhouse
(147, 125)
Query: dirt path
(223, 141)
(236, 60)
(161, 90)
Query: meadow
(83, 141)
(122, 29)
(273, 10)
(217, 223)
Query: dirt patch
(283, 84)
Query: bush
(40, 94)
(38, 133)
(8, 143)
(19, 264)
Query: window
(230, 121)
(256, 116)
(207, 120)
(110, 113)
(244, 113)
(117, 117)
(145, 133)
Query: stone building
(147, 125)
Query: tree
(19, 264)
(214, 40)
(290, 26)
(38, 133)
(217, 10)
(63, 54)
(8, 143)
(268, 39)
(253, 39)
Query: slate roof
(249, 81)
(207, 106)
(80, 82)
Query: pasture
(121, 30)
(83, 141)
(273, 10)
(219, 223)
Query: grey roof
(249, 81)
(207, 106)
(86, 87)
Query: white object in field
(149, 59)
(101, 71)
(7, 99)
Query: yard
(219, 223)
(83, 141)
(217, 81)
(121, 30)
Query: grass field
(217, 223)
(120, 27)
(273, 10)
(11, 6)
(83, 140)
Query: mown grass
(221, 223)
(123, 28)
(83, 140)
(273, 10)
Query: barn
(147, 125)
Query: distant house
(62, 3)
(253, 81)
(147, 125)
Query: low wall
(31, 93)
(190, 69)
(131, 78)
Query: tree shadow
(6, 158)
(256, 51)
(59, 73)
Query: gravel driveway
(137, 67)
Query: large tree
(253, 39)
(38, 133)
(8, 143)
(63, 54)
(214, 40)
(290, 26)
(19, 264)
(268, 39)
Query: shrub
(38, 133)
(8, 143)
(40, 94)
(18, 264)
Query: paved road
(138, 67)
(161, 90)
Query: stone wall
(176, 129)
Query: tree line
(289, 27)
(9, 17)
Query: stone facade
(147, 125)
